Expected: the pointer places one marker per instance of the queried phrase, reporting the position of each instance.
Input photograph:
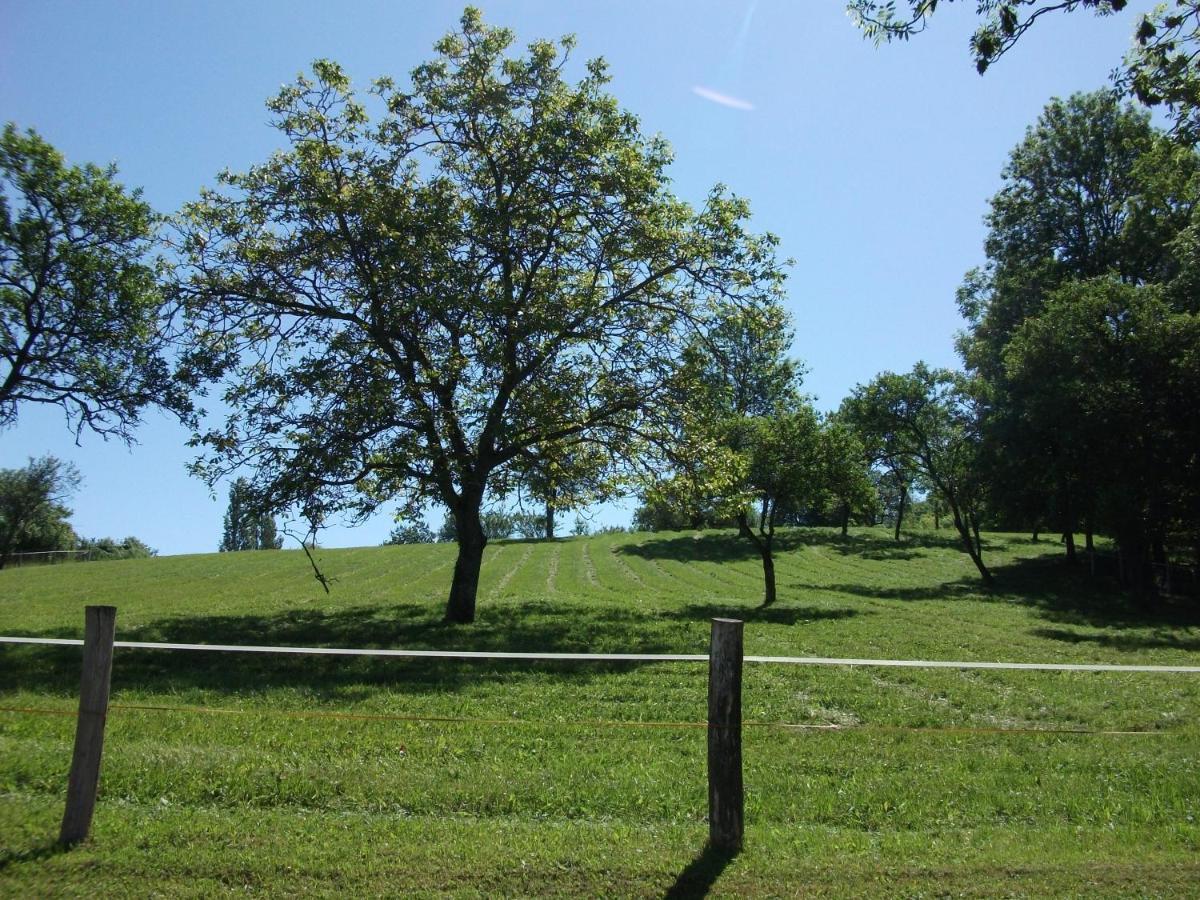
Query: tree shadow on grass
(775, 615)
(701, 874)
(40, 851)
(726, 546)
(1059, 592)
(1127, 642)
(530, 626)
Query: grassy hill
(330, 775)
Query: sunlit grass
(334, 775)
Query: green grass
(330, 775)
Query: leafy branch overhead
(1161, 68)
(405, 305)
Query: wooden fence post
(726, 802)
(99, 630)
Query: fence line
(591, 723)
(623, 657)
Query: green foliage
(1096, 208)
(248, 526)
(1161, 68)
(33, 517)
(929, 421)
(96, 549)
(1091, 190)
(403, 308)
(1116, 371)
(82, 318)
(415, 532)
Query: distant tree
(82, 320)
(247, 525)
(496, 525)
(780, 467)
(32, 515)
(744, 442)
(413, 532)
(656, 513)
(1163, 67)
(931, 420)
(402, 308)
(563, 477)
(844, 470)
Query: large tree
(1092, 191)
(82, 319)
(1116, 369)
(405, 306)
(1162, 67)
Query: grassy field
(334, 776)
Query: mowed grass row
(310, 773)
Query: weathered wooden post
(726, 802)
(99, 629)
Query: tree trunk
(763, 545)
(460, 607)
(845, 519)
(900, 509)
(1068, 524)
(964, 532)
(768, 562)
(550, 520)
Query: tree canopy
(82, 317)
(402, 307)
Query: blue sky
(873, 165)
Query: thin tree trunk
(768, 562)
(900, 509)
(1068, 523)
(550, 520)
(763, 545)
(460, 607)
(845, 519)
(964, 532)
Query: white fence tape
(624, 657)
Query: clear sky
(873, 165)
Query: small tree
(247, 525)
(781, 467)
(82, 320)
(929, 421)
(32, 515)
(845, 474)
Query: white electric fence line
(623, 657)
